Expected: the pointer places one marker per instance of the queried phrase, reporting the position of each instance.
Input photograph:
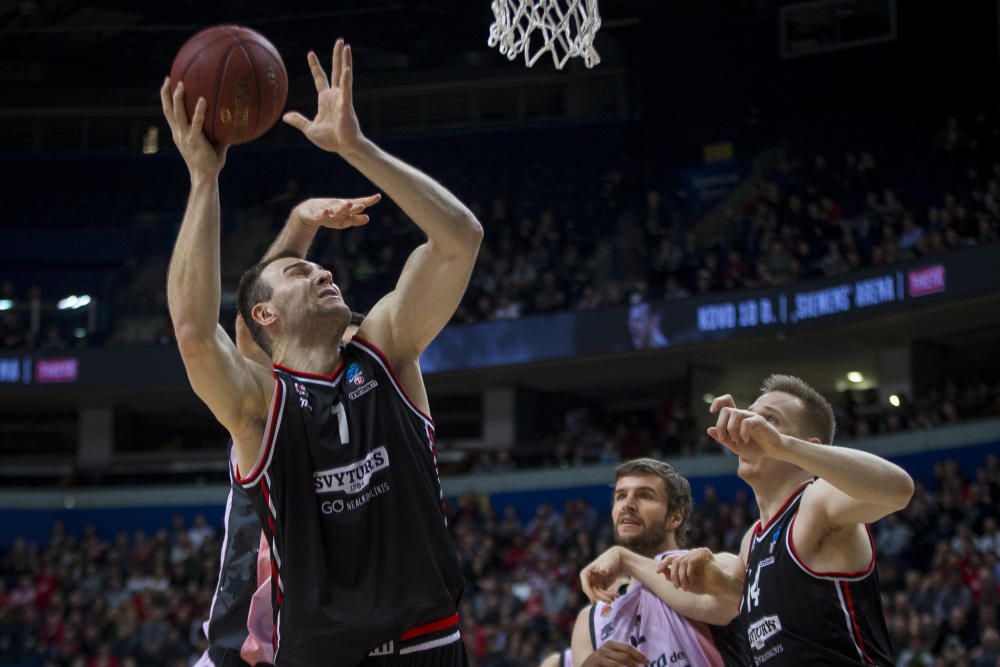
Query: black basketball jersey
(346, 486)
(795, 616)
(226, 627)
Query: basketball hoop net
(565, 28)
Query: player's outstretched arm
(220, 376)
(717, 605)
(437, 273)
(306, 218)
(854, 487)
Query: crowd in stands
(588, 436)
(96, 600)
(811, 216)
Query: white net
(564, 28)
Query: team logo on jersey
(303, 396)
(606, 631)
(605, 611)
(356, 377)
(352, 478)
(762, 630)
(774, 539)
(384, 649)
(637, 637)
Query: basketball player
(651, 504)
(808, 593)
(334, 442)
(226, 626)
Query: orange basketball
(242, 78)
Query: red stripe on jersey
(269, 434)
(318, 376)
(392, 374)
(758, 529)
(428, 628)
(854, 623)
(838, 575)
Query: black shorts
(450, 655)
(437, 644)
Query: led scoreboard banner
(899, 287)
(799, 305)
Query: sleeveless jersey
(226, 627)
(347, 491)
(566, 658)
(644, 621)
(795, 616)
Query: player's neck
(668, 544)
(772, 494)
(321, 358)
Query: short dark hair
(251, 291)
(677, 487)
(817, 413)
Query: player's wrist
(358, 148)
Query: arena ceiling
(70, 52)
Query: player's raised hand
(746, 433)
(200, 155)
(336, 213)
(335, 127)
(616, 654)
(695, 571)
(599, 578)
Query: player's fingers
(180, 113)
(746, 428)
(733, 428)
(370, 200)
(319, 76)
(168, 107)
(357, 220)
(346, 86)
(199, 116)
(719, 402)
(296, 120)
(722, 425)
(684, 574)
(627, 654)
(585, 585)
(338, 60)
(663, 567)
(348, 56)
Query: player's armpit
(236, 390)
(405, 321)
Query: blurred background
(740, 187)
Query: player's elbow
(193, 340)
(903, 490)
(472, 231)
(722, 612)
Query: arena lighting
(894, 400)
(151, 141)
(6, 304)
(855, 377)
(73, 302)
(708, 398)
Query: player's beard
(324, 324)
(647, 543)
